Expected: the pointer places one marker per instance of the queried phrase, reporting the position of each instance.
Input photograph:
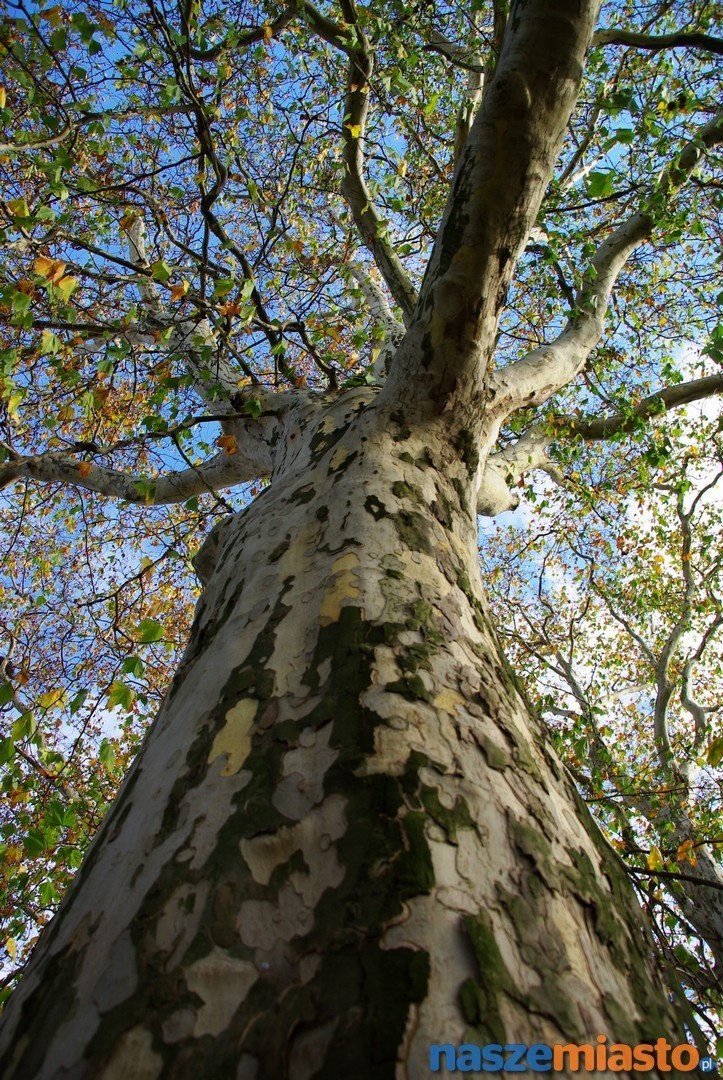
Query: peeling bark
(346, 836)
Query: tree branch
(679, 39)
(222, 471)
(369, 222)
(505, 467)
(534, 378)
(495, 197)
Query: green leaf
(253, 408)
(78, 701)
(161, 271)
(223, 287)
(106, 753)
(6, 694)
(35, 843)
(121, 695)
(149, 630)
(133, 665)
(7, 750)
(714, 755)
(600, 184)
(49, 343)
(24, 727)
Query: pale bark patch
(308, 1049)
(342, 586)
(222, 983)
(234, 738)
(312, 837)
(303, 771)
(134, 1057)
(179, 921)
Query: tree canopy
(209, 205)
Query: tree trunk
(346, 836)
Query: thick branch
(534, 378)
(680, 39)
(385, 324)
(372, 228)
(506, 467)
(222, 471)
(496, 194)
(670, 397)
(369, 222)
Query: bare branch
(679, 39)
(534, 378)
(369, 222)
(494, 201)
(222, 471)
(530, 452)
(77, 123)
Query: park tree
(292, 298)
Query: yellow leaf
(655, 859)
(354, 130)
(14, 402)
(13, 854)
(50, 269)
(84, 468)
(18, 207)
(178, 291)
(3, 97)
(127, 220)
(66, 286)
(686, 852)
(268, 32)
(12, 947)
(52, 698)
(227, 443)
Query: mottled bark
(346, 836)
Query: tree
(347, 834)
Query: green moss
(410, 687)
(530, 841)
(464, 583)
(495, 755)
(415, 656)
(467, 449)
(461, 494)
(402, 490)
(481, 998)
(413, 530)
(458, 817)
(279, 550)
